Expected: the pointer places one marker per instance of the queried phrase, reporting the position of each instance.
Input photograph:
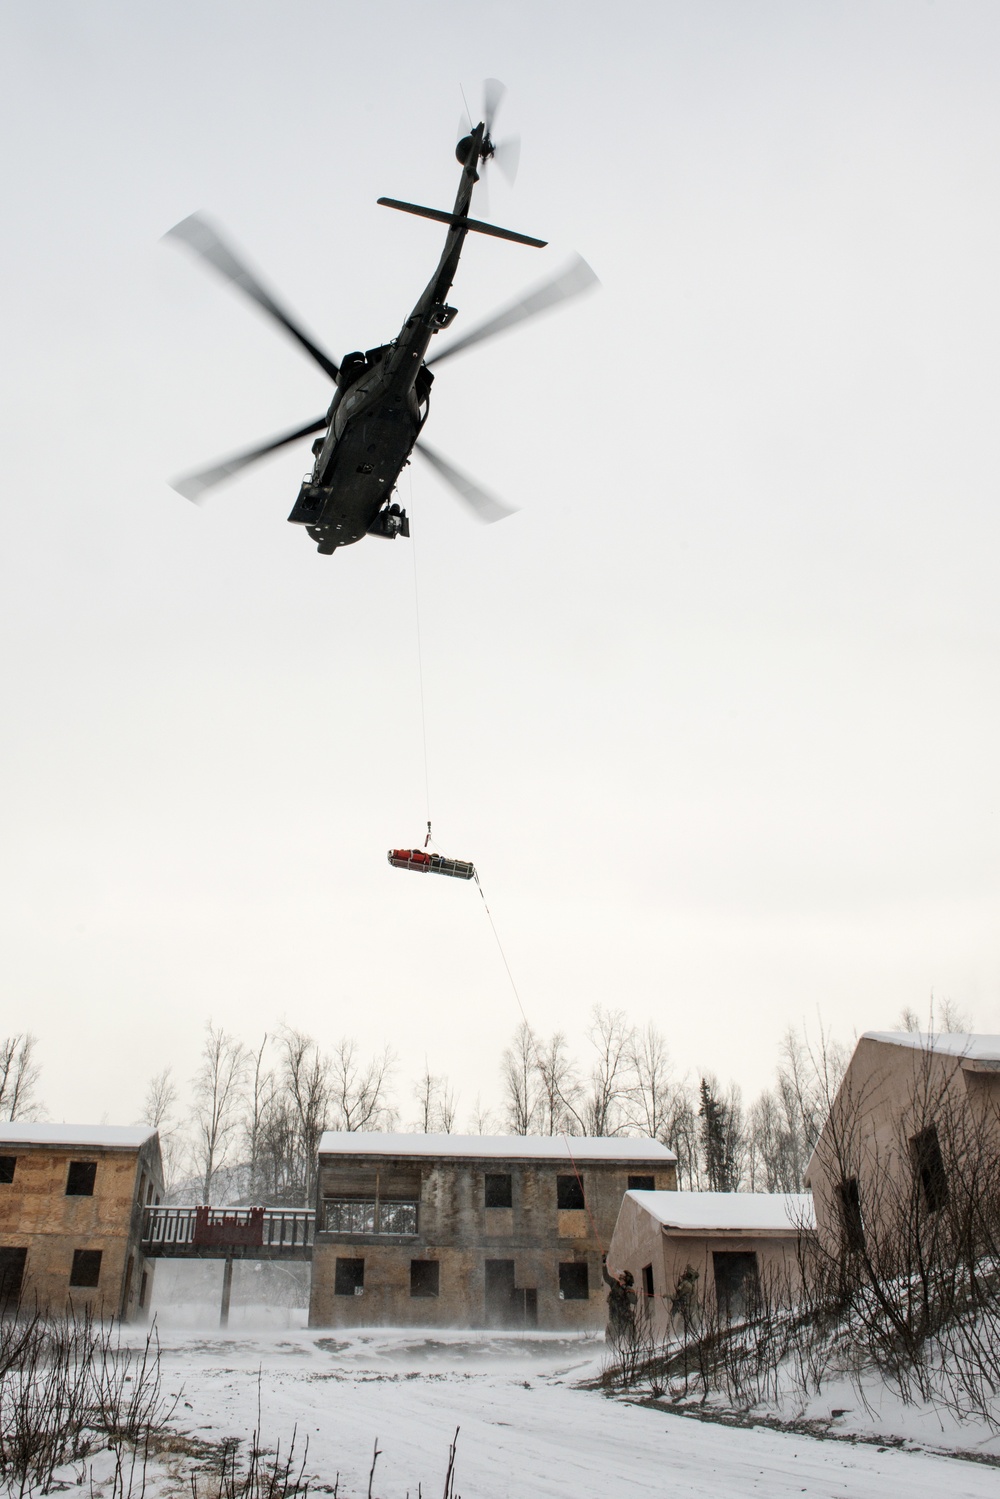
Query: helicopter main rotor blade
(575, 279)
(485, 506)
(200, 236)
(493, 92)
(193, 486)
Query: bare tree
(603, 1098)
(519, 1074)
(158, 1105)
(218, 1086)
(558, 1087)
(259, 1103)
(19, 1073)
(306, 1083)
(359, 1090)
(436, 1100)
(482, 1120)
(158, 1113)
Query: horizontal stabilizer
(456, 221)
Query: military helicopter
(382, 396)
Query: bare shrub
(67, 1387)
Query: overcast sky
(715, 713)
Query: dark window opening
(149, 1194)
(852, 1223)
(143, 1288)
(86, 1269)
(647, 1280)
(12, 1263)
(80, 1178)
(569, 1192)
(642, 1183)
(736, 1282)
(349, 1279)
(7, 1164)
(424, 1277)
(928, 1163)
(498, 1191)
(574, 1282)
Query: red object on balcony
(214, 1227)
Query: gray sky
(715, 713)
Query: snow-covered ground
(527, 1429)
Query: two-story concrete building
(471, 1230)
(71, 1201)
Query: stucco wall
(639, 1240)
(890, 1093)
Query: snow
(527, 1429)
(750, 1212)
(100, 1136)
(977, 1048)
(501, 1147)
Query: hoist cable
(538, 1061)
(420, 670)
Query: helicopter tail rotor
(506, 153)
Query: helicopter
(381, 398)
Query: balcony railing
(179, 1230)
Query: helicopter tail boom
(458, 221)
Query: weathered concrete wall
(456, 1228)
(36, 1214)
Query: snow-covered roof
(977, 1048)
(99, 1136)
(746, 1212)
(502, 1147)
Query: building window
(349, 1279)
(498, 1190)
(647, 1280)
(7, 1164)
(642, 1183)
(80, 1179)
(928, 1163)
(143, 1288)
(149, 1194)
(569, 1192)
(849, 1198)
(574, 1282)
(347, 1216)
(86, 1269)
(424, 1277)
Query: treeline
(628, 1086)
(247, 1127)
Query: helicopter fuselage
(379, 407)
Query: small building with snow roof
(434, 1230)
(693, 1252)
(71, 1202)
(916, 1115)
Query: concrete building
(471, 1230)
(913, 1114)
(691, 1253)
(71, 1201)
